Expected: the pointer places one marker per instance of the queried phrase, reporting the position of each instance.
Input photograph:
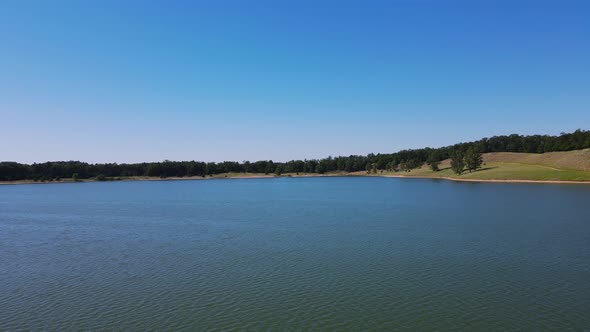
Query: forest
(401, 160)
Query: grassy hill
(551, 166)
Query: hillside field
(551, 166)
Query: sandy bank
(486, 180)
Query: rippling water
(282, 254)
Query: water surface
(308, 253)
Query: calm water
(285, 254)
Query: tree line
(463, 156)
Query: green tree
(434, 166)
(371, 168)
(457, 162)
(434, 160)
(269, 167)
(473, 159)
(403, 166)
(75, 177)
(322, 167)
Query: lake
(331, 253)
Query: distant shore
(174, 178)
(305, 175)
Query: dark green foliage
(10, 171)
(473, 159)
(408, 165)
(322, 166)
(269, 167)
(434, 165)
(434, 159)
(393, 167)
(371, 168)
(404, 167)
(458, 162)
(75, 177)
(404, 160)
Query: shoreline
(262, 176)
(487, 180)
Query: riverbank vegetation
(461, 157)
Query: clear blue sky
(129, 81)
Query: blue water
(345, 253)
